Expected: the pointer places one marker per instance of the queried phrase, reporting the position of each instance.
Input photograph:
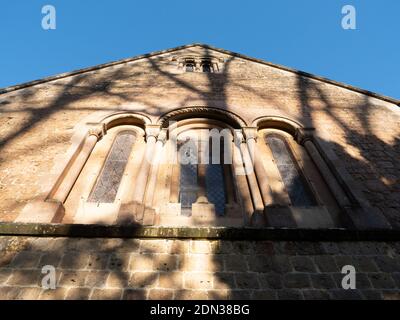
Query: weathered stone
(315, 295)
(25, 277)
(78, 294)
(341, 294)
(106, 294)
(143, 280)
(96, 279)
(98, 261)
(198, 280)
(73, 279)
(134, 294)
(302, 264)
(235, 263)
(326, 263)
(264, 295)
(74, 261)
(246, 281)
(120, 261)
(322, 281)
(296, 280)
(161, 294)
(289, 294)
(381, 280)
(26, 259)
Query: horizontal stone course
(192, 269)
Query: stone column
(50, 208)
(74, 169)
(304, 137)
(152, 132)
(152, 180)
(257, 218)
(251, 138)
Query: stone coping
(228, 233)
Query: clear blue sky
(305, 35)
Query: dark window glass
(106, 187)
(215, 184)
(188, 179)
(206, 67)
(296, 187)
(189, 67)
(215, 187)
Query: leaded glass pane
(189, 67)
(106, 187)
(206, 67)
(215, 187)
(188, 179)
(297, 190)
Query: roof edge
(242, 56)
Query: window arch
(298, 194)
(109, 179)
(298, 191)
(190, 66)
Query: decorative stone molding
(178, 114)
(302, 135)
(50, 207)
(239, 137)
(162, 136)
(97, 129)
(250, 133)
(121, 118)
(152, 131)
(217, 63)
(277, 122)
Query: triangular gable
(205, 46)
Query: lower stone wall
(196, 269)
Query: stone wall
(37, 122)
(196, 269)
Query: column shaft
(75, 169)
(152, 180)
(144, 170)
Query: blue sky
(305, 35)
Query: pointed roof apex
(203, 45)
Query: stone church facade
(203, 174)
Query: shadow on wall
(378, 171)
(379, 174)
(376, 168)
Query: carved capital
(162, 136)
(302, 135)
(250, 133)
(97, 129)
(152, 131)
(238, 136)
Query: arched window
(296, 192)
(189, 66)
(108, 181)
(297, 189)
(206, 66)
(201, 175)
